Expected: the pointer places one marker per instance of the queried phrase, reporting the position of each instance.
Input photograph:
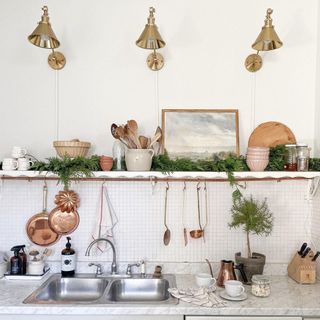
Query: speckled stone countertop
(287, 298)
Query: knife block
(302, 270)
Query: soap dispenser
(16, 261)
(68, 260)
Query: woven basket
(73, 148)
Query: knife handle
(305, 252)
(316, 256)
(303, 247)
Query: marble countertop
(287, 298)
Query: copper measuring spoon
(167, 233)
(197, 233)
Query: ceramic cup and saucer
(234, 291)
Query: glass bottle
(118, 152)
(303, 156)
(290, 157)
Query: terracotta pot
(257, 165)
(106, 163)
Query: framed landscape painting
(200, 133)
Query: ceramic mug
(234, 288)
(139, 159)
(24, 163)
(205, 280)
(9, 164)
(18, 152)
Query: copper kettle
(227, 272)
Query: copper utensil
(226, 272)
(37, 227)
(64, 219)
(185, 233)
(63, 222)
(198, 233)
(167, 233)
(206, 209)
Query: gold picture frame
(200, 133)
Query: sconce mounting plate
(253, 62)
(155, 61)
(56, 60)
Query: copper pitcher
(227, 272)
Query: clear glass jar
(290, 157)
(303, 156)
(260, 286)
(118, 152)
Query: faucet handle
(143, 268)
(99, 271)
(130, 265)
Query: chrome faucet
(114, 260)
(140, 264)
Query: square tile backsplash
(140, 211)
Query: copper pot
(227, 272)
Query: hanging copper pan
(37, 227)
(64, 219)
(63, 222)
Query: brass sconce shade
(151, 39)
(267, 40)
(44, 37)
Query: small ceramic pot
(139, 159)
(106, 163)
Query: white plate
(224, 295)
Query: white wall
(106, 79)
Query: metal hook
(198, 185)
(167, 187)
(184, 186)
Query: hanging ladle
(185, 233)
(197, 233)
(167, 233)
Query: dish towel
(200, 297)
(106, 222)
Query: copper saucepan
(37, 227)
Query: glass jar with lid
(290, 157)
(260, 286)
(303, 156)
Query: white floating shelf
(126, 175)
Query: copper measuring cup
(197, 233)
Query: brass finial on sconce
(151, 39)
(44, 37)
(267, 40)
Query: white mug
(234, 288)
(24, 163)
(139, 159)
(205, 280)
(9, 164)
(18, 152)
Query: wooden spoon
(155, 138)
(132, 132)
(143, 141)
(121, 133)
(115, 134)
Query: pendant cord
(253, 101)
(57, 111)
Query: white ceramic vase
(139, 159)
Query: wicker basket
(73, 148)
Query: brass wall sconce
(150, 38)
(44, 37)
(267, 40)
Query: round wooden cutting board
(271, 134)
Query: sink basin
(139, 290)
(69, 290)
(87, 289)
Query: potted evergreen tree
(255, 218)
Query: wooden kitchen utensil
(271, 134)
(303, 270)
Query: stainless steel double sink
(87, 289)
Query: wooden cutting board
(271, 134)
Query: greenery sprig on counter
(69, 168)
